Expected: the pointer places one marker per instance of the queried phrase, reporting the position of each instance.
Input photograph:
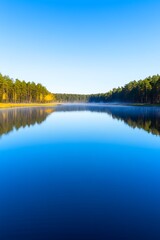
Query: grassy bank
(13, 105)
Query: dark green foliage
(20, 91)
(71, 97)
(143, 91)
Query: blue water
(80, 172)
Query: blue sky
(83, 46)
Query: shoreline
(144, 105)
(21, 105)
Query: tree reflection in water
(16, 118)
(147, 118)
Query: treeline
(17, 91)
(142, 91)
(145, 91)
(71, 97)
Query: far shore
(144, 105)
(19, 105)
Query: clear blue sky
(80, 46)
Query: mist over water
(80, 172)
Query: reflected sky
(81, 123)
(82, 173)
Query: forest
(16, 91)
(145, 91)
(63, 97)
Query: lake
(79, 171)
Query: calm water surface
(80, 172)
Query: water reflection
(80, 172)
(16, 118)
(146, 118)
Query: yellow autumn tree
(49, 98)
(4, 97)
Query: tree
(21, 92)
